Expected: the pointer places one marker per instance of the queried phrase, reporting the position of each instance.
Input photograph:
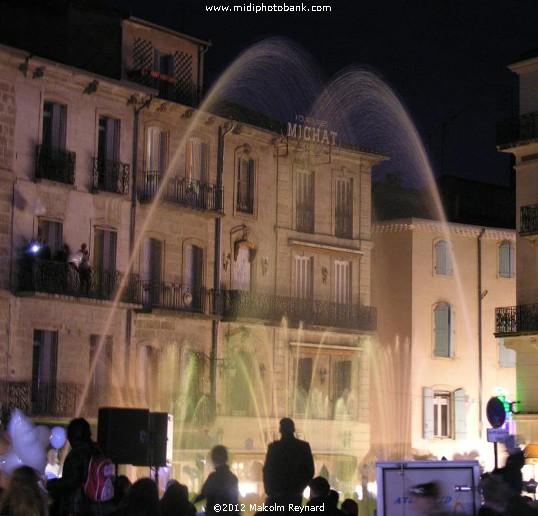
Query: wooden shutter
(427, 401)
(442, 331)
(460, 414)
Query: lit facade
(436, 287)
(518, 323)
(231, 265)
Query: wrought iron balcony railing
(182, 191)
(170, 88)
(175, 296)
(238, 304)
(528, 222)
(55, 164)
(110, 176)
(54, 277)
(516, 319)
(517, 129)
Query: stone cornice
(437, 226)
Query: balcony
(516, 320)
(182, 191)
(170, 88)
(60, 278)
(174, 296)
(517, 130)
(55, 165)
(110, 176)
(528, 221)
(238, 304)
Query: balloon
(10, 462)
(25, 441)
(57, 437)
(43, 434)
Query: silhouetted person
(67, 491)
(221, 486)
(350, 507)
(288, 468)
(23, 497)
(175, 501)
(142, 499)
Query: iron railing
(175, 296)
(516, 319)
(181, 91)
(54, 277)
(55, 164)
(517, 129)
(182, 191)
(238, 304)
(528, 222)
(110, 176)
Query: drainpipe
(480, 359)
(215, 327)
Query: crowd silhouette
(287, 471)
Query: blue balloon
(57, 437)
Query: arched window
(442, 258)
(443, 321)
(507, 261)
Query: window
(240, 392)
(50, 234)
(443, 258)
(507, 357)
(196, 166)
(163, 69)
(303, 277)
(193, 279)
(151, 270)
(104, 261)
(507, 262)
(245, 184)
(342, 282)
(156, 147)
(445, 414)
(54, 126)
(108, 146)
(100, 369)
(305, 201)
(149, 374)
(325, 385)
(44, 367)
(443, 331)
(192, 370)
(344, 208)
(241, 270)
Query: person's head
(79, 431)
(219, 455)
(287, 426)
(319, 487)
(143, 498)
(83, 246)
(334, 497)
(350, 507)
(23, 494)
(122, 484)
(175, 498)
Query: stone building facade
(230, 271)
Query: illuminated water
(278, 79)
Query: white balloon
(9, 462)
(57, 437)
(43, 433)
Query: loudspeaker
(123, 435)
(158, 438)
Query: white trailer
(457, 480)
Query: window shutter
(504, 260)
(512, 261)
(427, 400)
(460, 414)
(442, 331)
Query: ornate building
(230, 264)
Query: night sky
(447, 59)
